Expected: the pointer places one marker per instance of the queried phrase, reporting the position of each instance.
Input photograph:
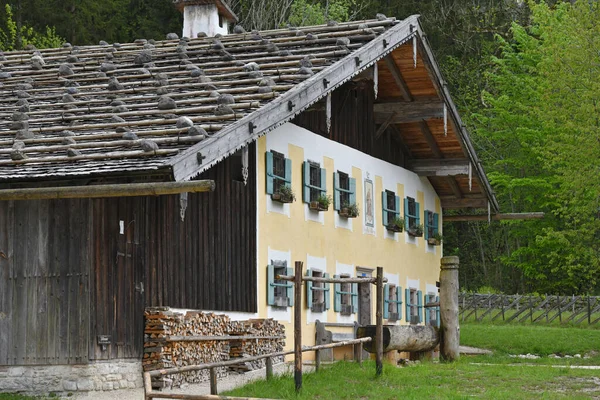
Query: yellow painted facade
(303, 238)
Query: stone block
(85, 385)
(70, 386)
(107, 386)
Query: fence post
(449, 329)
(503, 299)
(379, 318)
(298, 326)
(589, 311)
(475, 304)
(269, 368)
(559, 310)
(213, 382)
(317, 360)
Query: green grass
(497, 314)
(10, 396)
(346, 380)
(487, 377)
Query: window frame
(414, 312)
(317, 288)
(386, 210)
(271, 177)
(392, 295)
(312, 192)
(350, 191)
(431, 227)
(345, 301)
(435, 321)
(275, 287)
(411, 220)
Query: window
(317, 293)
(432, 314)
(345, 296)
(431, 224)
(220, 21)
(279, 171)
(392, 308)
(280, 293)
(412, 219)
(344, 190)
(414, 306)
(391, 209)
(314, 181)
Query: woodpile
(253, 347)
(175, 338)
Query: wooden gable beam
(413, 111)
(440, 167)
(464, 202)
(397, 75)
(495, 217)
(435, 149)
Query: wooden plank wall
(205, 261)
(44, 282)
(352, 122)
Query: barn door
(119, 286)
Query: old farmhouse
(335, 145)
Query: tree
(15, 35)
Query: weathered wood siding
(44, 282)
(69, 272)
(352, 122)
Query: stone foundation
(99, 376)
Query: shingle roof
(124, 108)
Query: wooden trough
(413, 338)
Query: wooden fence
(529, 308)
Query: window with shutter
(345, 296)
(279, 176)
(431, 228)
(314, 181)
(317, 293)
(412, 219)
(392, 309)
(391, 211)
(344, 195)
(280, 293)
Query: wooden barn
(144, 174)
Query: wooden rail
(534, 309)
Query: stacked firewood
(252, 347)
(159, 352)
(164, 346)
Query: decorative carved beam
(397, 75)
(408, 111)
(440, 167)
(496, 217)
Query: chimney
(208, 16)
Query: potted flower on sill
(321, 204)
(436, 239)
(349, 210)
(396, 224)
(285, 194)
(415, 230)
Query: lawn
(482, 377)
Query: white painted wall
(202, 18)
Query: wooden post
(317, 360)
(269, 368)
(502, 306)
(449, 327)
(213, 382)
(379, 321)
(359, 351)
(559, 310)
(589, 311)
(298, 326)
(147, 385)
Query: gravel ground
(224, 384)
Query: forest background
(524, 75)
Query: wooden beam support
(398, 138)
(464, 202)
(435, 148)
(454, 186)
(408, 111)
(495, 217)
(397, 75)
(115, 190)
(440, 167)
(385, 125)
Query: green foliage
(307, 12)
(14, 38)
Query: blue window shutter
(397, 206)
(290, 289)
(386, 301)
(305, 182)
(309, 291)
(418, 211)
(427, 310)
(437, 311)
(406, 221)
(337, 297)
(270, 287)
(436, 222)
(288, 171)
(426, 231)
(327, 294)
(399, 298)
(269, 167)
(352, 186)
(355, 298)
(420, 305)
(384, 213)
(336, 192)
(407, 303)
(323, 181)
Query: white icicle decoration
(470, 177)
(445, 120)
(375, 79)
(245, 165)
(328, 112)
(415, 51)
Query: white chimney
(208, 16)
